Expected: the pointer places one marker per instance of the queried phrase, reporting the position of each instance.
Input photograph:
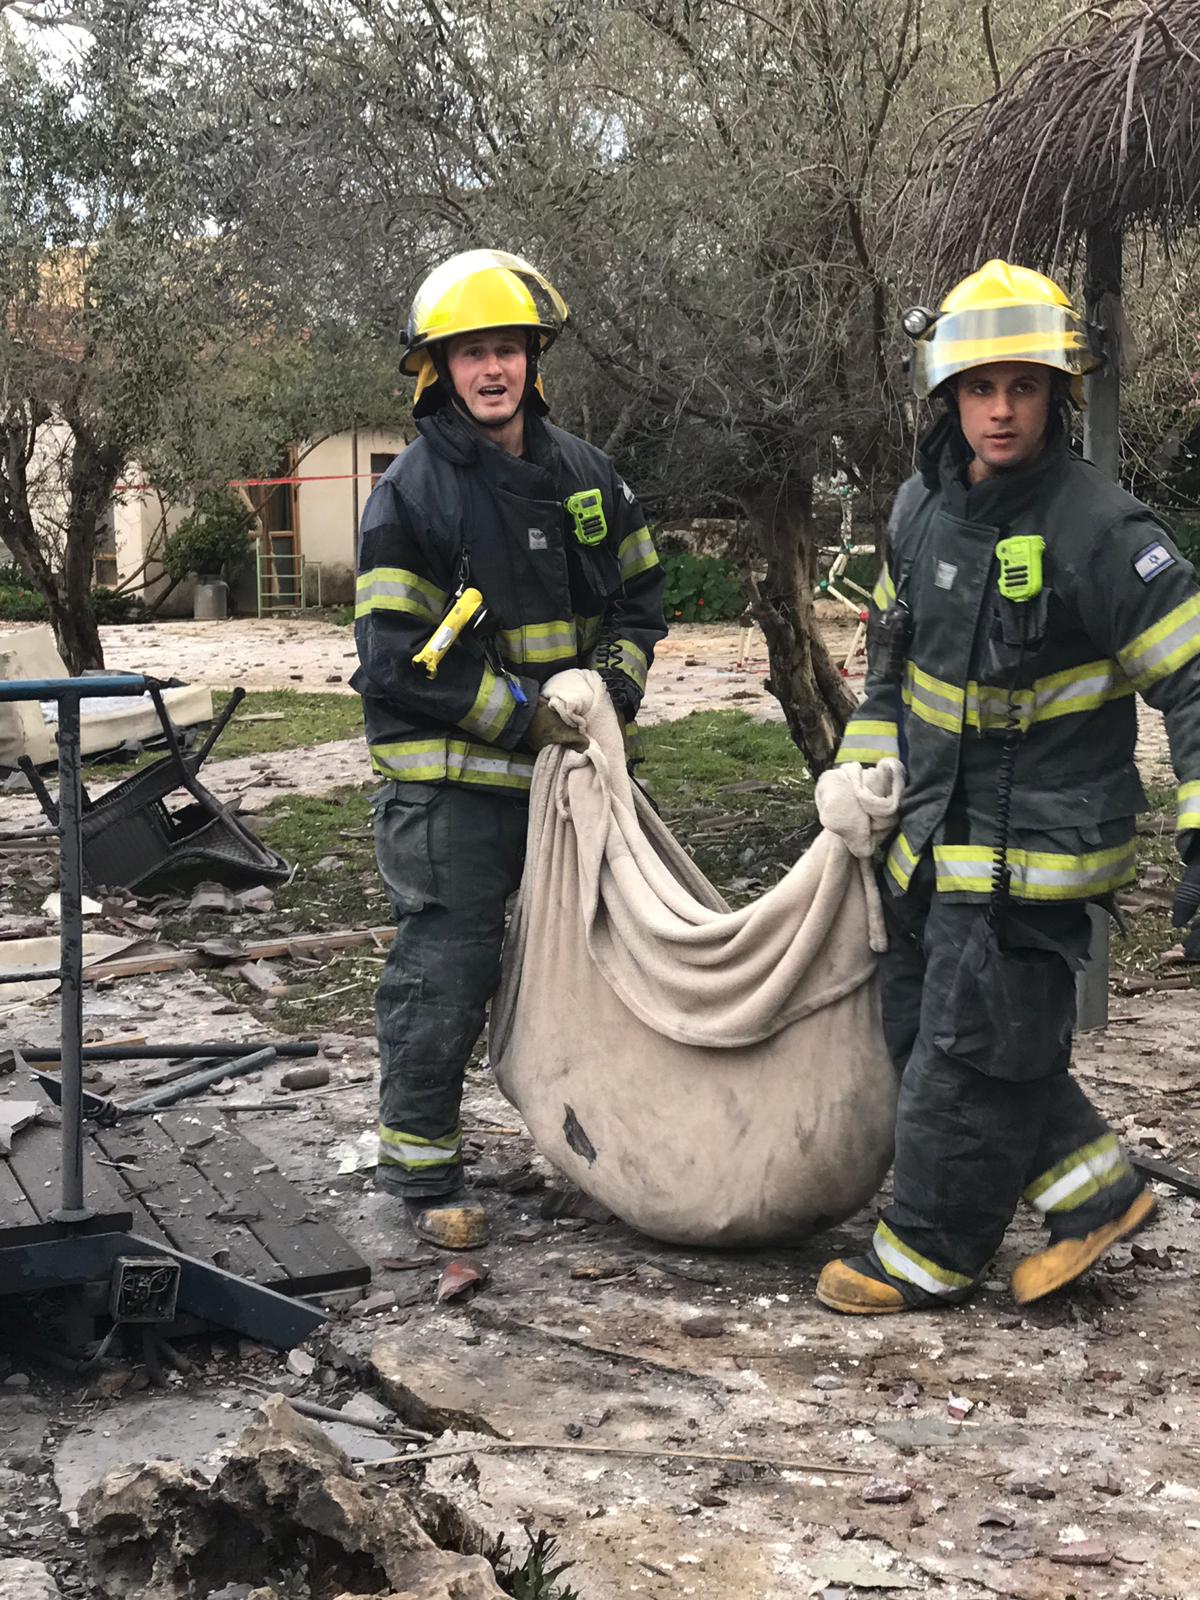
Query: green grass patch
(267, 721)
(735, 792)
(1137, 953)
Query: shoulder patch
(1148, 563)
(626, 490)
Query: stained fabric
(711, 1076)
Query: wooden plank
(256, 950)
(312, 1256)
(179, 1197)
(16, 1211)
(36, 1164)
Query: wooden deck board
(184, 1178)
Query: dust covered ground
(979, 1451)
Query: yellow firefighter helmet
(474, 291)
(1000, 313)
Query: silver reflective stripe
(488, 718)
(902, 1266)
(1095, 1167)
(856, 740)
(539, 641)
(1160, 650)
(496, 766)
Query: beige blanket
(712, 1076)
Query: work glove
(547, 727)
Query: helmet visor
(1047, 335)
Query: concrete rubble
(286, 1504)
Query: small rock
(17, 1380)
(597, 1419)
(309, 1077)
(383, 1300)
(1033, 1489)
(1011, 1545)
(300, 1364)
(573, 1430)
(828, 1381)
(703, 1328)
(885, 1492)
(1082, 1553)
(994, 1517)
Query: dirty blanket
(711, 1076)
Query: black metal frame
(85, 1246)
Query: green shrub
(702, 589)
(112, 607)
(1187, 536)
(214, 538)
(18, 603)
(22, 604)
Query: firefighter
(1024, 601)
(491, 504)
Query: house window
(381, 460)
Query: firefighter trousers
(450, 857)
(979, 1021)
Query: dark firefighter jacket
(1119, 615)
(454, 508)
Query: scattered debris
(703, 1328)
(1082, 1553)
(958, 1407)
(286, 1500)
(15, 1115)
(885, 1492)
(314, 1077)
(459, 1277)
(26, 1580)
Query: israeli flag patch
(1148, 563)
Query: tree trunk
(91, 482)
(812, 691)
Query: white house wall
(329, 508)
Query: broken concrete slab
(185, 1428)
(26, 1580)
(287, 1499)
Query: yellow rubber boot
(447, 1224)
(857, 1294)
(1050, 1269)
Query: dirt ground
(978, 1451)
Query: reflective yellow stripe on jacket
(1062, 694)
(1036, 874)
(435, 760)
(933, 699)
(884, 591)
(630, 659)
(493, 706)
(636, 554)
(1188, 806)
(1162, 649)
(901, 861)
(397, 589)
(537, 643)
(868, 742)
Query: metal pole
(70, 884)
(1102, 446)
